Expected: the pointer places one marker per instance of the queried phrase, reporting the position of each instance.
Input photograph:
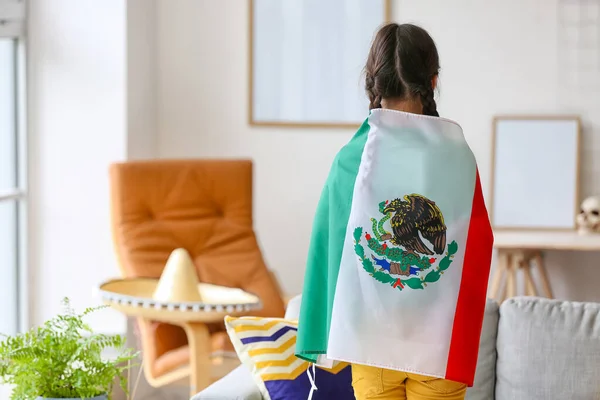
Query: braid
(428, 101)
(374, 99)
(375, 102)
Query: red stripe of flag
(468, 319)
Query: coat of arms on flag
(407, 260)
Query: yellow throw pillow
(267, 345)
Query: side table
(193, 317)
(521, 251)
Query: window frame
(12, 22)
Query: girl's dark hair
(402, 63)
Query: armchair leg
(200, 349)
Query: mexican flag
(400, 252)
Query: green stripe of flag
(325, 251)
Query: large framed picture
(307, 59)
(535, 172)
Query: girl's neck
(412, 106)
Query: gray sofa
(531, 349)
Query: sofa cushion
(485, 376)
(292, 311)
(548, 349)
(237, 385)
(266, 346)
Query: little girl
(401, 246)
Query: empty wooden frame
(535, 172)
(306, 60)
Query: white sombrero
(177, 295)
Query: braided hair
(402, 64)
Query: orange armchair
(206, 208)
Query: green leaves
(62, 359)
(432, 276)
(368, 265)
(446, 261)
(413, 283)
(406, 260)
(359, 250)
(452, 248)
(383, 277)
(357, 234)
(396, 254)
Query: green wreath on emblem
(409, 216)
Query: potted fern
(62, 360)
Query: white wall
(92, 89)
(497, 57)
(141, 79)
(77, 127)
(116, 80)
(202, 75)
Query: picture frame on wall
(306, 60)
(535, 172)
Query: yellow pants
(384, 384)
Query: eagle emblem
(408, 255)
(413, 215)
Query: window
(12, 171)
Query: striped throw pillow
(267, 345)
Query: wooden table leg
(499, 273)
(200, 349)
(530, 289)
(543, 275)
(504, 291)
(512, 260)
(511, 279)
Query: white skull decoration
(588, 219)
